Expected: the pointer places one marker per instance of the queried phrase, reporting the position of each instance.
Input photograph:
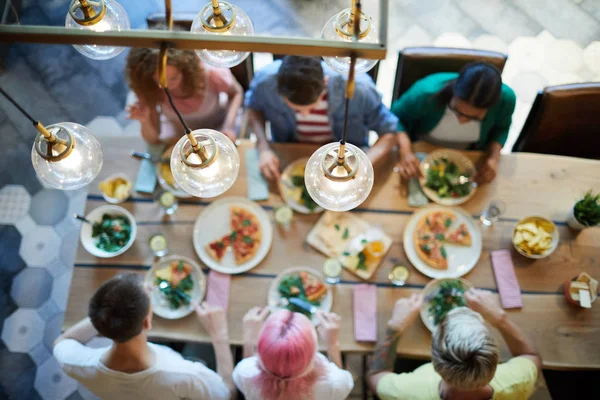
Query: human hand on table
(252, 324)
(487, 170)
(213, 320)
(409, 165)
(405, 312)
(269, 164)
(329, 327)
(139, 111)
(483, 302)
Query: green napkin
(416, 197)
(146, 177)
(258, 188)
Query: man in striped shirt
(304, 100)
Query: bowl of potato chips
(535, 237)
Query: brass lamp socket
(218, 16)
(336, 166)
(206, 150)
(54, 142)
(344, 24)
(93, 11)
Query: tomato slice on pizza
(460, 236)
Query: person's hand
(483, 302)
(139, 111)
(487, 170)
(253, 322)
(329, 327)
(408, 166)
(405, 312)
(213, 320)
(269, 164)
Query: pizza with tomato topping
(433, 233)
(460, 236)
(244, 239)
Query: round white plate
(89, 243)
(284, 190)
(213, 223)
(160, 305)
(463, 163)
(461, 259)
(274, 297)
(429, 291)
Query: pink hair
(287, 348)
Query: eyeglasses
(460, 114)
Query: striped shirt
(314, 126)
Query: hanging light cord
(14, 102)
(187, 129)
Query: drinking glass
(493, 212)
(167, 201)
(158, 244)
(398, 275)
(332, 269)
(284, 216)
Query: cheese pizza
(244, 239)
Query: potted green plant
(586, 212)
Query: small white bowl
(554, 234)
(89, 243)
(114, 200)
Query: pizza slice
(244, 222)
(244, 247)
(217, 249)
(433, 253)
(439, 222)
(460, 236)
(314, 289)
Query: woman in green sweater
(469, 110)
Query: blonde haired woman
(464, 356)
(207, 97)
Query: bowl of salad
(293, 190)
(178, 285)
(448, 177)
(441, 296)
(111, 232)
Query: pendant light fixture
(64, 155)
(204, 163)
(340, 27)
(339, 176)
(98, 16)
(222, 18)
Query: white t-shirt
(335, 384)
(171, 377)
(449, 132)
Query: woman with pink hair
(287, 364)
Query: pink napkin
(218, 289)
(365, 313)
(506, 279)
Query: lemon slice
(332, 267)
(351, 262)
(158, 243)
(167, 199)
(399, 274)
(284, 215)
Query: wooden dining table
(568, 337)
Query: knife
(148, 156)
(303, 305)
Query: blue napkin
(258, 188)
(146, 177)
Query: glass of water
(493, 212)
(332, 269)
(158, 244)
(167, 201)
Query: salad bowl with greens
(440, 297)
(448, 177)
(111, 233)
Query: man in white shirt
(132, 368)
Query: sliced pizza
(439, 222)
(244, 247)
(461, 236)
(218, 248)
(245, 222)
(433, 253)
(314, 289)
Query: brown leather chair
(415, 63)
(564, 120)
(373, 72)
(243, 72)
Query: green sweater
(418, 112)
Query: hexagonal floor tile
(49, 206)
(14, 203)
(591, 57)
(57, 266)
(10, 260)
(53, 330)
(25, 224)
(49, 310)
(68, 250)
(39, 246)
(52, 383)
(40, 354)
(60, 289)
(18, 375)
(23, 330)
(31, 287)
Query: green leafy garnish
(426, 237)
(247, 239)
(346, 253)
(364, 241)
(587, 210)
(362, 258)
(442, 178)
(298, 181)
(176, 296)
(220, 244)
(291, 286)
(113, 233)
(448, 222)
(439, 236)
(180, 266)
(425, 248)
(449, 296)
(246, 222)
(337, 227)
(443, 251)
(232, 236)
(346, 234)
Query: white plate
(89, 243)
(463, 163)
(160, 305)
(274, 297)
(431, 289)
(284, 190)
(213, 223)
(461, 259)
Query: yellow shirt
(514, 380)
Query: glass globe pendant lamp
(66, 155)
(97, 16)
(340, 27)
(222, 18)
(205, 163)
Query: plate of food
(442, 242)
(178, 285)
(165, 177)
(365, 252)
(303, 284)
(116, 188)
(441, 296)
(535, 237)
(334, 231)
(447, 177)
(111, 232)
(293, 190)
(232, 235)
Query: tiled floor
(548, 41)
